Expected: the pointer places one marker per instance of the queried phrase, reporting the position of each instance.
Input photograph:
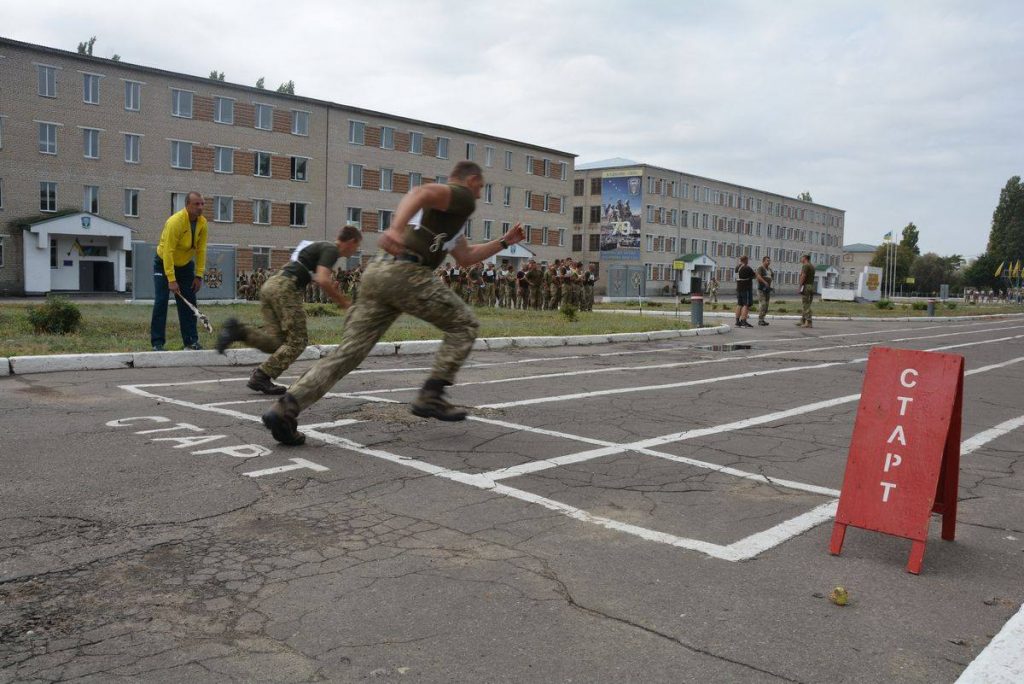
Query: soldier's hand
(391, 242)
(515, 234)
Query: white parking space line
(982, 438)
(1002, 661)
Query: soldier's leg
(291, 326)
(762, 311)
(808, 298)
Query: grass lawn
(792, 306)
(125, 327)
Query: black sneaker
(195, 346)
(232, 331)
(261, 382)
(282, 421)
(433, 405)
(762, 322)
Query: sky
(894, 111)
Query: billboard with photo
(621, 206)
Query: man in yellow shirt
(178, 267)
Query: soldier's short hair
(744, 259)
(806, 256)
(349, 233)
(466, 169)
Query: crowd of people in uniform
(346, 280)
(533, 286)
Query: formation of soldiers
(534, 286)
(249, 285)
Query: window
(223, 160)
(354, 216)
(468, 227)
(387, 180)
(131, 202)
(2, 131)
(415, 142)
(577, 187)
(261, 258)
(488, 156)
(529, 198)
(384, 219)
(508, 160)
(415, 179)
(1, 251)
(132, 96)
(356, 132)
(441, 180)
(442, 148)
(507, 198)
(181, 103)
(565, 171)
(561, 237)
(529, 164)
(577, 243)
(91, 88)
(547, 168)
(595, 186)
(471, 151)
(91, 199)
(261, 212)
(178, 201)
(47, 80)
(1, 200)
(48, 138)
(181, 154)
(263, 117)
(300, 122)
(261, 164)
(595, 214)
(488, 193)
(132, 148)
(528, 229)
(297, 214)
(577, 215)
(91, 143)
(488, 225)
(387, 138)
(355, 175)
(53, 253)
(223, 110)
(544, 233)
(223, 209)
(595, 242)
(299, 165)
(47, 196)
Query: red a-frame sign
(904, 460)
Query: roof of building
(264, 92)
(859, 247)
(607, 164)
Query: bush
(950, 305)
(919, 306)
(884, 304)
(568, 311)
(57, 316)
(316, 310)
(655, 304)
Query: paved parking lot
(654, 512)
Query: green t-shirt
(304, 264)
(807, 271)
(432, 232)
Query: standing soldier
(806, 290)
(283, 334)
(428, 223)
(589, 280)
(522, 289)
(535, 279)
(765, 278)
(553, 284)
(577, 284)
(474, 279)
(713, 289)
(490, 278)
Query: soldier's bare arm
(325, 279)
(467, 255)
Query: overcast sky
(895, 111)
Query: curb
(24, 365)
(794, 317)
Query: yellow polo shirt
(177, 246)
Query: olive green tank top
(432, 232)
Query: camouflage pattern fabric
(283, 334)
(806, 299)
(389, 289)
(763, 299)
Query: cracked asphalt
(146, 536)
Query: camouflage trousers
(806, 299)
(389, 289)
(283, 334)
(535, 297)
(555, 298)
(588, 297)
(763, 299)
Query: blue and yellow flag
(887, 237)
(1000, 269)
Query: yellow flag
(1016, 269)
(1000, 269)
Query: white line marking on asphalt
(982, 438)
(297, 464)
(1002, 661)
(237, 401)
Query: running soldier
(283, 334)
(428, 224)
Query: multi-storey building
(855, 258)
(674, 215)
(127, 142)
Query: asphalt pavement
(629, 512)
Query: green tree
(929, 271)
(910, 238)
(287, 88)
(259, 83)
(115, 57)
(904, 260)
(216, 75)
(86, 47)
(982, 273)
(1006, 238)
(805, 196)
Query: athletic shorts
(745, 297)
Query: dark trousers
(184, 275)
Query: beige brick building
(855, 258)
(126, 142)
(685, 215)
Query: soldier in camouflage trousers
(401, 280)
(283, 334)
